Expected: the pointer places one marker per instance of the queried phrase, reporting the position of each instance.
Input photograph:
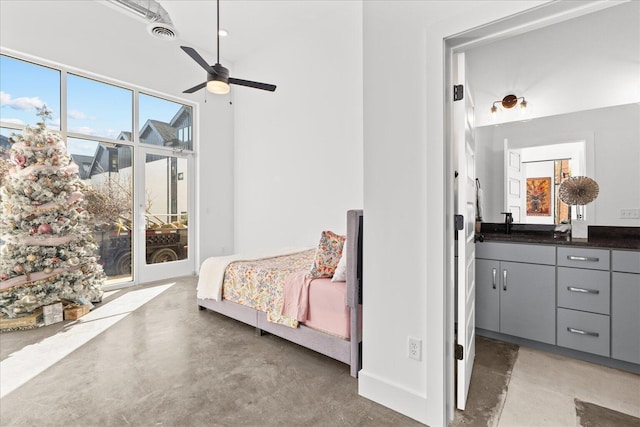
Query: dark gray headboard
(354, 257)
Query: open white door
(514, 182)
(465, 205)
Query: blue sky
(94, 108)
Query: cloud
(22, 103)
(85, 130)
(79, 115)
(14, 121)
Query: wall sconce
(509, 102)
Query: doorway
(533, 19)
(164, 200)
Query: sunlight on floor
(32, 360)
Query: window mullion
(63, 104)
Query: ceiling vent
(159, 22)
(162, 31)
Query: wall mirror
(591, 97)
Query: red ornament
(3, 277)
(33, 230)
(44, 229)
(55, 260)
(18, 269)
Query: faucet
(508, 220)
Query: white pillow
(340, 274)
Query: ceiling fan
(218, 79)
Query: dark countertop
(600, 236)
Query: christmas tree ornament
(31, 257)
(44, 229)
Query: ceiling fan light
(218, 87)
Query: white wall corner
(394, 396)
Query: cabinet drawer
(597, 259)
(625, 261)
(533, 254)
(582, 331)
(585, 290)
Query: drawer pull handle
(581, 332)
(583, 290)
(583, 258)
(494, 272)
(504, 280)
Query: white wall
(98, 39)
(616, 156)
(298, 152)
(405, 203)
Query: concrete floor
(168, 364)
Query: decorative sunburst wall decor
(578, 190)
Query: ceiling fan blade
(255, 85)
(196, 57)
(195, 88)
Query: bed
(338, 330)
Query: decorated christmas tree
(48, 251)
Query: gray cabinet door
(488, 294)
(527, 301)
(625, 317)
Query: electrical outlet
(629, 213)
(414, 349)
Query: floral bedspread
(259, 284)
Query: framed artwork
(539, 196)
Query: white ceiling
(252, 24)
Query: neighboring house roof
(181, 112)
(84, 164)
(165, 131)
(124, 136)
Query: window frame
(136, 145)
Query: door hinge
(458, 92)
(458, 221)
(459, 351)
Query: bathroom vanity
(577, 297)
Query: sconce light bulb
(523, 104)
(494, 109)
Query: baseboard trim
(393, 396)
(587, 357)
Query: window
(164, 123)
(102, 139)
(98, 109)
(25, 87)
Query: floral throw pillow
(327, 254)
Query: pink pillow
(327, 254)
